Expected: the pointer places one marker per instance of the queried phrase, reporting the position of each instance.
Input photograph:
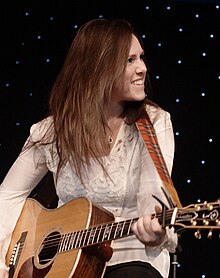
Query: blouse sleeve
(26, 172)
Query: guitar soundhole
(49, 248)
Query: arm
(23, 176)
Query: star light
(184, 74)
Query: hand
(3, 273)
(149, 231)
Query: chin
(138, 97)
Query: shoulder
(159, 117)
(42, 130)
(156, 113)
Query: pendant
(110, 139)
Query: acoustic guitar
(75, 240)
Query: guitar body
(36, 224)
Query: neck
(114, 112)
(114, 121)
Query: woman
(92, 146)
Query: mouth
(138, 82)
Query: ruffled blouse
(126, 190)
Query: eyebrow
(134, 55)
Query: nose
(140, 66)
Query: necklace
(110, 139)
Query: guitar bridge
(16, 253)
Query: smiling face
(134, 76)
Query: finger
(156, 227)
(158, 209)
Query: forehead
(135, 45)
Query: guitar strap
(148, 133)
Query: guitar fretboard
(96, 234)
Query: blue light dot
(217, 6)
(219, 77)
(203, 54)
(198, 200)
(30, 94)
(39, 37)
(197, 15)
(51, 18)
(22, 43)
(47, 60)
(168, 8)
(157, 77)
(211, 36)
(159, 44)
(177, 100)
(147, 7)
(203, 276)
(210, 140)
(180, 29)
(75, 26)
(100, 16)
(7, 85)
(178, 265)
(203, 162)
(17, 124)
(188, 181)
(203, 94)
(17, 62)
(143, 36)
(179, 62)
(177, 133)
(27, 14)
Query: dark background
(182, 45)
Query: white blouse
(126, 191)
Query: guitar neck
(201, 217)
(96, 234)
(104, 232)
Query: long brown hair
(96, 60)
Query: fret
(110, 233)
(61, 249)
(67, 242)
(129, 227)
(106, 232)
(122, 229)
(72, 239)
(115, 229)
(91, 233)
(119, 229)
(96, 234)
(99, 234)
(81, 234)
(85, 237)
(77, 239)
(60, 244)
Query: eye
(142, 56)
(130, 60)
